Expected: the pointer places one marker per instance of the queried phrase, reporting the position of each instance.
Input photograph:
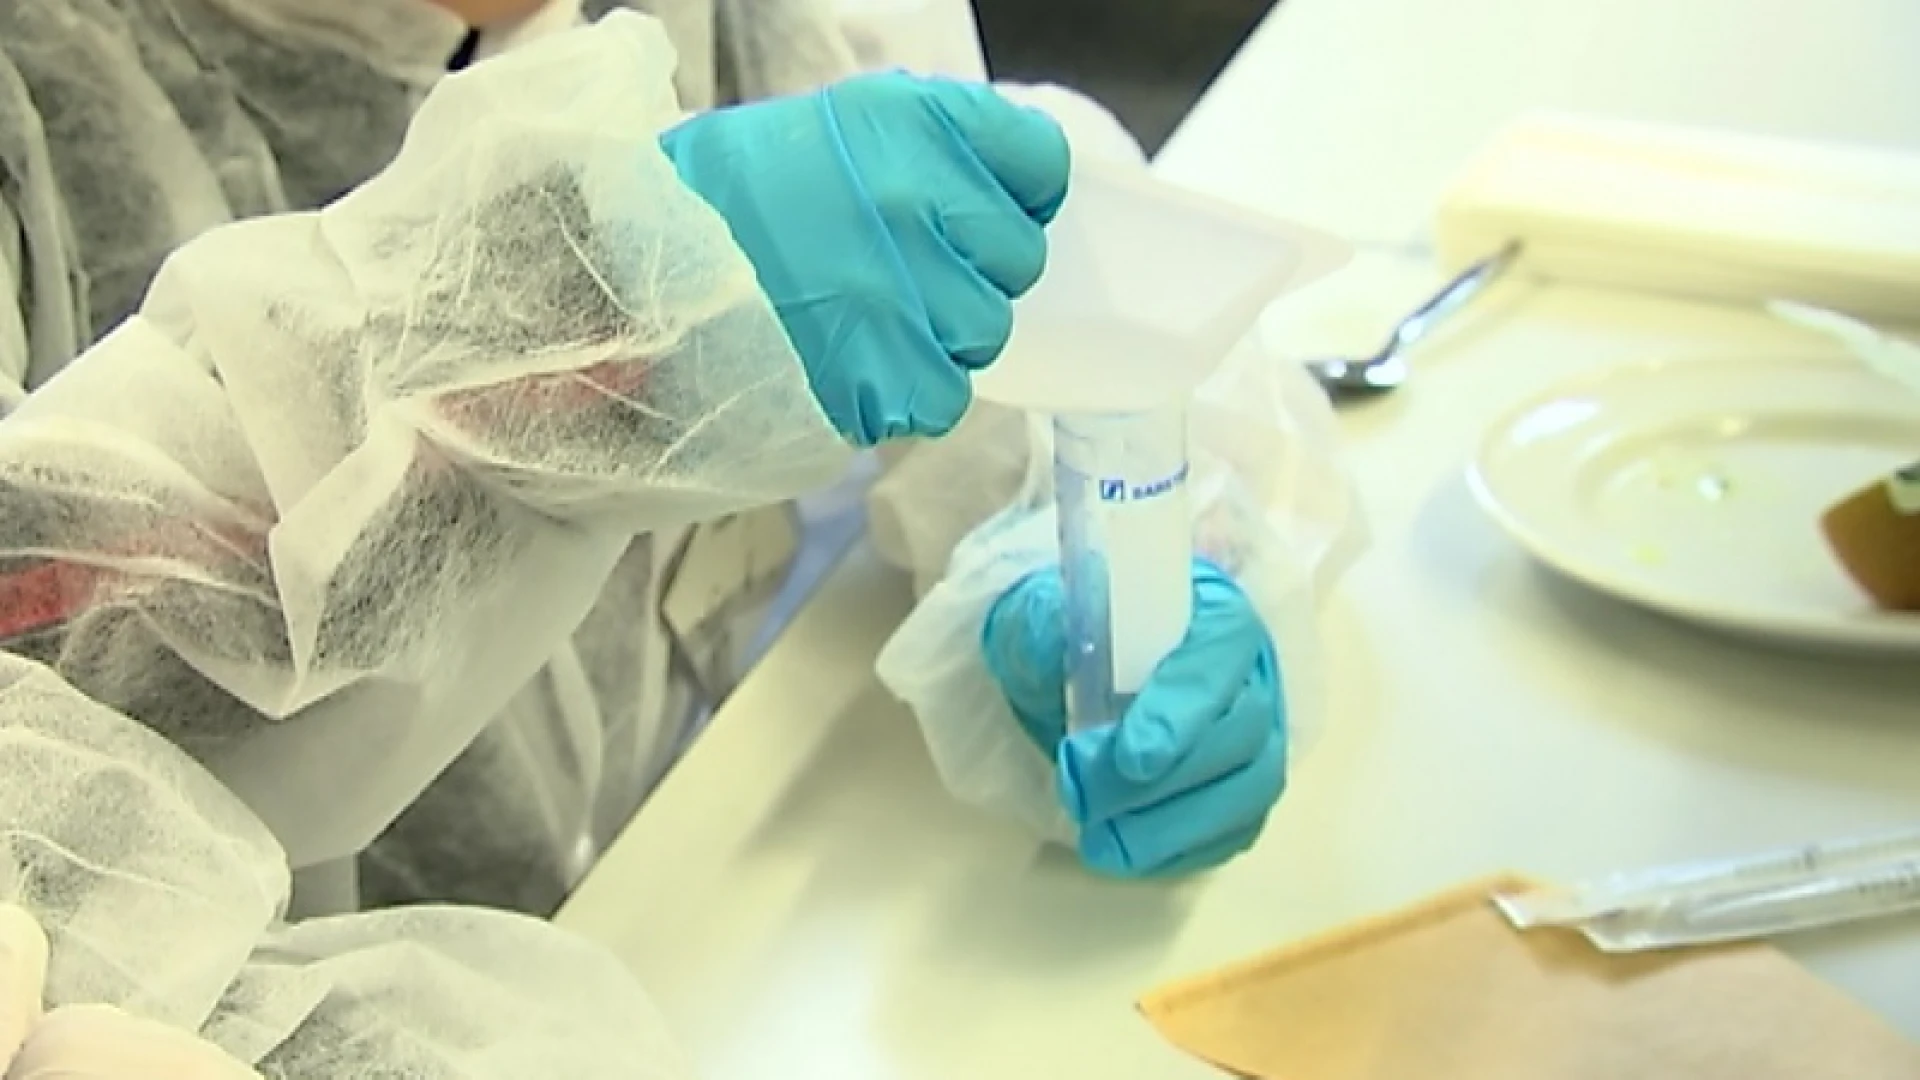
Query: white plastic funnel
(1147, 288)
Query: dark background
(1147, 60)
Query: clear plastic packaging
(1739, 898)
(1743, 914)
(1120, 482)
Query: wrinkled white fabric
(159, 895)
(162, 118)
(926, 37)
(1273, 505)
(432, 992)
(129, 126)
(23, 973)
(100, 1042)
(551, 17)
(80, 1042)
(742, 50)
(769, 48)
(151, 880)
(519, 345)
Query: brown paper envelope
(1447, 990)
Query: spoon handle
(1449, 299)
(1887, 355)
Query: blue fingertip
(1067, 782)
(1146, 749)
(1104, 851)
(1024, 147)
(1214, 585)
(1210, 857)
(1051, 144)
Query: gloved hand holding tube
(1185, 780)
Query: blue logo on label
(1117, 490)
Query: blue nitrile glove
(890, 219)
(1184, 781)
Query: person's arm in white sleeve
(350, 477)
(140, 937)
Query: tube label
(1149, 546)
(1117, 489)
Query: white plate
(1695, 487)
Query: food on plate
(1875, 533)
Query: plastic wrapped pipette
(1734, 899)
(1741, 915)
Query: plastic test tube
(1126, 547)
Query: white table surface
(1353, 114)
(804, 900)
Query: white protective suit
(355, 497)
(288, 538)
(159, 894)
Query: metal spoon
(1386, 369)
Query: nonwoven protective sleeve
(352, 476)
